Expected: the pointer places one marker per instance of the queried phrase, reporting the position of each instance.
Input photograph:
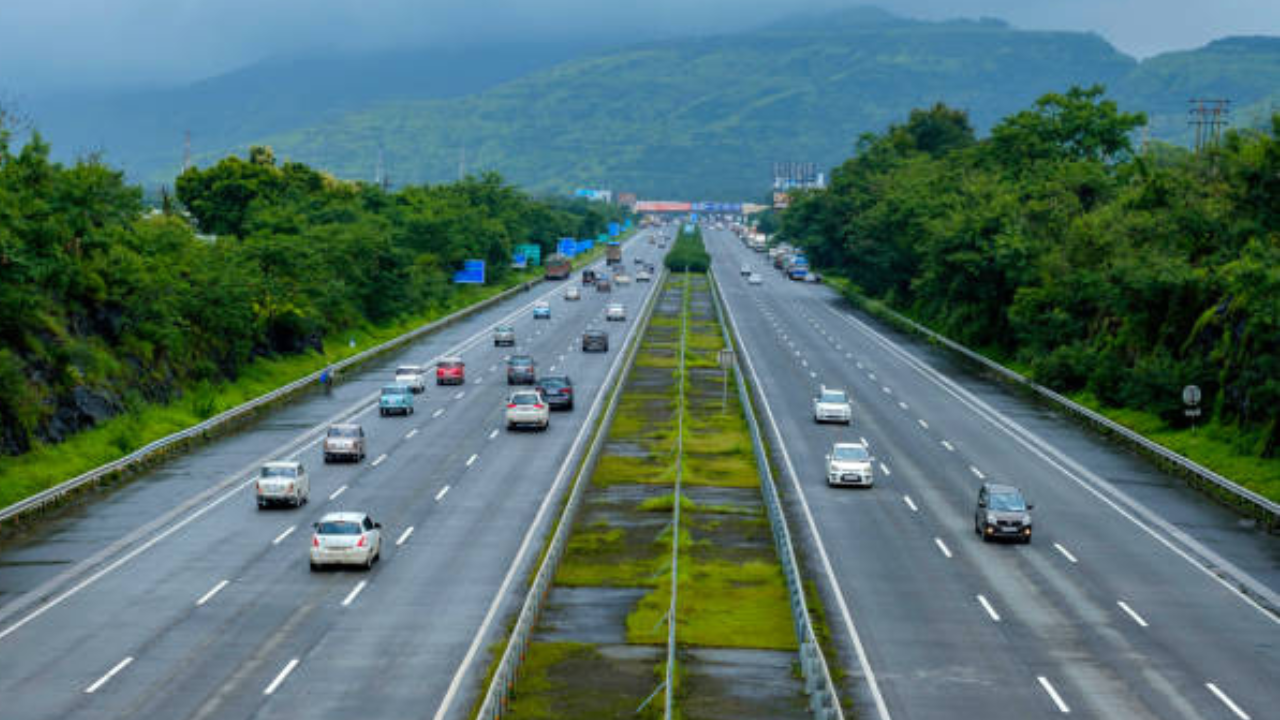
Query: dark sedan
(595, 341)
(557, 390)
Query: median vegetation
(1112, 273)
(688, 253)
(122, 324)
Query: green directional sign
(532, 253)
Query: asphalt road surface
(174, 597)
(1111, 612)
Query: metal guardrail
(1264, 509)
(151, 450)
(824, 702)
(502, 686)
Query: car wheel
(261, 505)
(410, 411)
(315, 567)
(328, 458)
(1026, 540)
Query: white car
(572, 293)
(615, 311)
(415, 376)
(755, 279)
(346, 538)
(282, 483)
(746, 270)
(850, 464)
(644, 276)
(526, 408)
(622, 279)
(832, 405)
(542, 310)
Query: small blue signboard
(614, 229)
(602, 237)
(472, 273)
(584, 245)
(626, 225)
(567, 247)
(519, 261)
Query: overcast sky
(46, 44)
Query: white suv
(832, 405)
(850, 464)
(615, 311)
(527, 408)
(412, 375)
(282, 483)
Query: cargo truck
(613, 253)
(558, 267)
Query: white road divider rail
(824, 703)
(502, 686)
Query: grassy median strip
(600, 646)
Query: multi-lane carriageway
(1124, 606)
(174, 597)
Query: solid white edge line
(284, 673)
(334, 495)
(1231, 705)
(942, 546)
(471, 460)
(473, 650)
(110, 674)
(995, 616)
(214, 591)
(286, 533)
(1065, 553)
(378, 460)
(1132, 613)
(910, 503)
(1077, 473)
(404, 536)
(873, 685)
(355, 591)
(1053, 694)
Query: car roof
(347, 516)
(853, 444)
(346, 426)
(398, 387)
(451, 359)
(1000, 488)
(555, 378)
(283, 463)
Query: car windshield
(395, 390)
(851, 453)
(279, 471)
(525, 399)
(1006, 502)
(521, 361)
(833, 396)
(341, 527)
(553, 383)
(503, 329)
(343, 432)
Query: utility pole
(186, 150)
(379, 173)
(462, 162)
(1209, 116)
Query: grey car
(504, 335)
(595, 341)
(521, 370)
(344, 441)
(1002, 513)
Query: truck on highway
(558, 267)
(613, 253)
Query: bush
(688, 254)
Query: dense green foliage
(105, 306)
(688, 253)
(1053, 246)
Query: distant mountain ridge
(688, 117)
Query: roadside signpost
(1191, 398)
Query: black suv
(521, 370)
(1002, 513)
(557, 390)
(595, 341)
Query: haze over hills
(693, 116)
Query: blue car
(395, 400)
(542, 311)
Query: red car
(451, 371)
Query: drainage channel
(600, 648)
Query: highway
(174, 597)
(1111, 612)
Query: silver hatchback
(346, 538)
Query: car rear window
(833, 397)
(277, 471)
(553, 382)
(525, 399)
(395, 390)
(339, 528)
(521, 361)
(344, 432)
(851, 453)
(448, 365)
(408, 370)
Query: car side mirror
(1031, 506)
(982, 503)
(315, 526)
(378, 525)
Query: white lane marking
(872, 376)
(1132, 613)
(216, 589)
(437, 413)
(1053, 694)
(404, 536)
(885, 469)
(910, 503)
(942, 546)
(859, 365)
(1214, 566)
(471, 460)
(351, 596)
(995, 616)
(493, 433)
(886, 390)
(977, 472)
(460, 394)
(948, 446)
(1065, 553)
(336, 493)
(110, 674)
(848, 356)
(287, 532)
(903, 405)
(378, 460)
(552, 369)
(288, 668)
(804, 363)
(1227, 701)
(411, 433)
(923, 424)
(813, 374)
(443, 491)
(492, 368)
(479, 380)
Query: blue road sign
(472, 273)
